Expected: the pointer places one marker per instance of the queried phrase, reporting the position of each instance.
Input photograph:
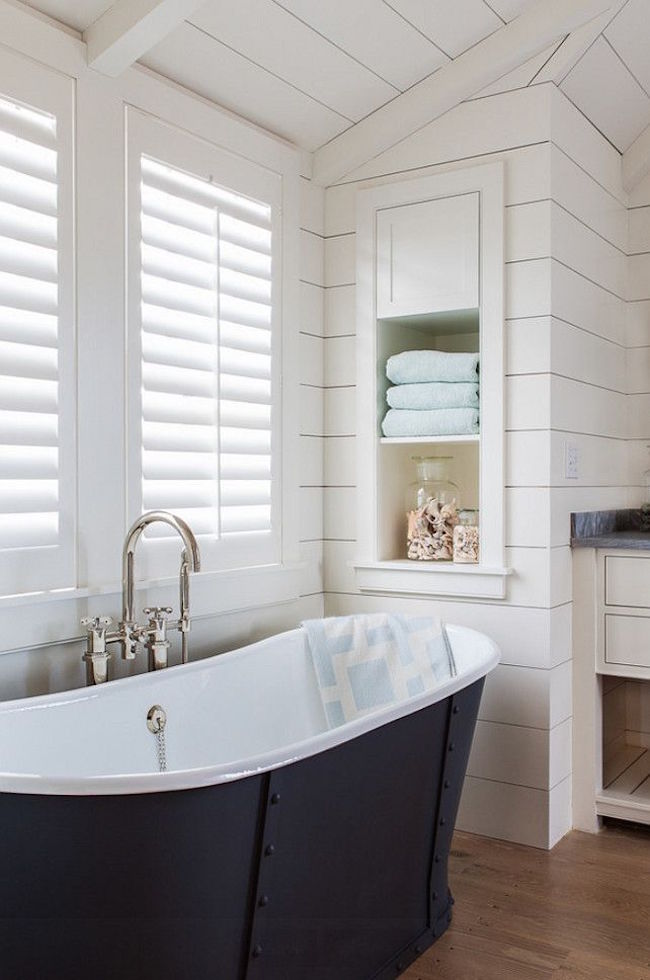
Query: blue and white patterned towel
(364, 663)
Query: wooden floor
(580, 911)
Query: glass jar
(432, 505)
(466, 538)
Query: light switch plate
(571, 460)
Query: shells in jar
(466, 539)
(430, 531)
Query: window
(204, 438)
(36, 333)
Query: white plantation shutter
(36, 382)
(206, 359)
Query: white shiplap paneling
(409, 57)
(454, 27)
(609, 95)
(273, 38)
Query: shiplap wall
(638, 334)
(566, 380)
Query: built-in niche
(430, 277)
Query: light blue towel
(436, 422)
(415, 366)
(364, 663)
(434, 394)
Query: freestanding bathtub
(271, 848)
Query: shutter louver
(206, 352)
(29, 330)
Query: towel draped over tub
(364, 663)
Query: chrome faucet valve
(157, 643)
(96, 656)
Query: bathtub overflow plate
(156, 719)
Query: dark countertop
(611, 529)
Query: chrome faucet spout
(129, 633)
(190, 562)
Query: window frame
(99, 111)
(28, 569)
(188, 153)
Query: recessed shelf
(447, 322)
(419, 440)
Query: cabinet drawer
(627, 640)
(627, 581)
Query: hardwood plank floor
(578, 912)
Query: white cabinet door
(427, 256)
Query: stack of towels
(434, 394)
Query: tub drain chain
(156, 721)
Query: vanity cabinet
(623, 647)
(428, 256)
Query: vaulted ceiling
(310, 69)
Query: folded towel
(364, 663)
(413, 366)
(434, 394)
(435, 422)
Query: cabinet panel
(627, 640)
(428, 256)
(627, 581)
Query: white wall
(566, 241)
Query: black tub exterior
(331, 868)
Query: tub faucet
(129, 633)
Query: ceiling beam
(576, 45)
(130, 28)
(499, 53)
(636, 161)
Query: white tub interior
(227, 716)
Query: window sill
(411, 578)
(54, 616)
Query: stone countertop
(634, 540)
(611, 529)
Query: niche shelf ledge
(435, 579)
(421, 440)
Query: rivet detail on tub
(457, 743)
(264, 885)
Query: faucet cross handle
(157, 614)
(96, 623)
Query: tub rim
(126, 784)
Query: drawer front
(627, 640)
(627, 581)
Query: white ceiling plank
(636, 161)
(498, 54)
(375, 35)
(604, 90)
(78, 14)
(629, 33)
(213, 71)
(453, 26)
(274, 39)
(509, 9)
(130, 28)
(575, 45)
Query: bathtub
(270, 848)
